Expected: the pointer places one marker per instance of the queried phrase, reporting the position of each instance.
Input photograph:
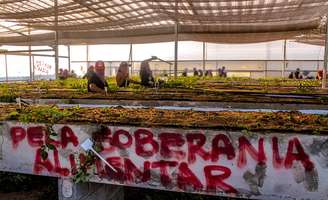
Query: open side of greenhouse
(75, 22)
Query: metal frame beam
(26, 51)
(26, 54)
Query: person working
(296, 75)
(60, 74)
(63, 74)
(200, 73)
(320, 74)
(195, 72)
(209, 73)
(306, 75)
(222, 72)
(73, 74)
(146, 75)
(185, 72)
(96, 83)
(122, 76)
(91, 70)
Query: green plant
(7, 94)
(112, 88)
(48, 141)
(181, 82)
(44, 114)
(48, 115)
(82, 174)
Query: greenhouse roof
(142, 21)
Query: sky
(19, 65)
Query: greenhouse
(154, 99)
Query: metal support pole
(30, 63)
(131, 58)
(33, 67)
(204, 56)
(266, 69)
(176, 50)
(266, 61)
(324, 70)
(56, 38)
(176, 38)
(6, 66)
(87, 56)
(285, 62)
(69, 57)
(30, 55)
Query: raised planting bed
(182, 89)
(176, 95)
(252, 121)
(235, 154)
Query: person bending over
(123, 77)
(95, 82)
(91, 70)
(146, 75)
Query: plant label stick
(87, 146)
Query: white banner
(249, 165)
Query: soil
(249, 121)
(177, 95)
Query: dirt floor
(29, 187)
(30, 195)
(14, 186)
